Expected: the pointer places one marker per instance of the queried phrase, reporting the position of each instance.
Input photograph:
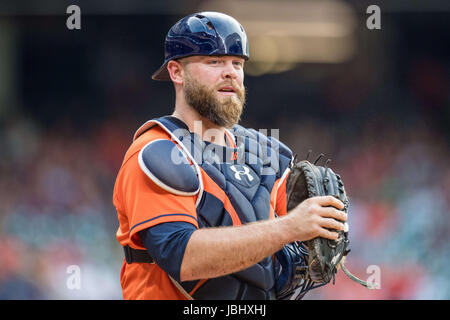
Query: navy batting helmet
(203, 34)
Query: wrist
(286, 231)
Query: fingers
(324, 233)
(331, 212)
(330, 201)
(331, 224)
(319, 217)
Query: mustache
(240, 91)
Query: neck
(200, 125)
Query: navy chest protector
(246, 172)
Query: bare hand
(313, 217)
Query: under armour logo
(238, 173)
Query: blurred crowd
(56, 210)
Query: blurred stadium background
(375, 101)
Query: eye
(213, 61)
(239, 64)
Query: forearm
(214, 252)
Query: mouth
(227, 90)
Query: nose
(229, 71)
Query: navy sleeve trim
(164, 215)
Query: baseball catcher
(314, 262)
(209, 209)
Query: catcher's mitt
(324, 256)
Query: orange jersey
(141, 204)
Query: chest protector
(246, 170)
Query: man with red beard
(201, 200)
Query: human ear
(175, 70)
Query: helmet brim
(162, 74)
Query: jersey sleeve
(166, 243)
(146, 204)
